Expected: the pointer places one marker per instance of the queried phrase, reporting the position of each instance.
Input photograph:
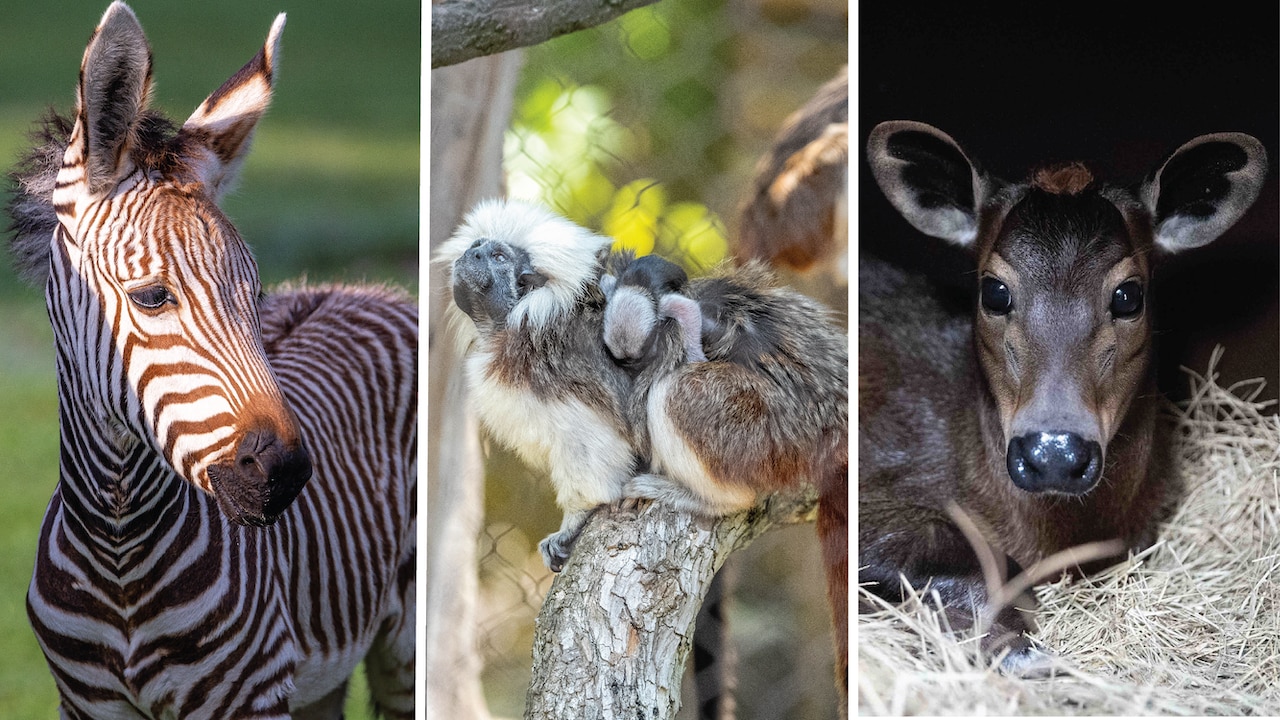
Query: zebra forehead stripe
(176, 435)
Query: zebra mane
(32, 219)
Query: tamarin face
(490, 278)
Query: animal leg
(660, 488)
(555, 548)
(328, 707)
(389, 665)
(936, 556)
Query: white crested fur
(688, 313)
(629, 319)
(600, 460)
(566, 253)
(672, 457)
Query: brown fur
(768, 410)
(1054, 351)
(1069, 179)
(790, 218)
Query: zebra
(195, 412)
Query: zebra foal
(193, 410)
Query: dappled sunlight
(563, 148)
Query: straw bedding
(1189, 627)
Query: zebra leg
(389, 665)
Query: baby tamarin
(767, 409)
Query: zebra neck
(109, 478)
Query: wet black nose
(1060, 462)
(263, 479)
(263, 460)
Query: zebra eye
(151, 297)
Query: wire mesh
(648, 130)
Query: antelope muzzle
(1054, 462)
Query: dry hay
(1189, 627)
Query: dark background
(1069, 82)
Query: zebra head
(152, 292)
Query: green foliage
(330, 190)
(618, 127)
(29, 458)
(331, 185)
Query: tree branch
(616, 628)
(466, 29)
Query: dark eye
(996, 298)
(1126, 301)
(151, 297)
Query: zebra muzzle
(263, 479)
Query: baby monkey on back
(622, 378)
(741, 387)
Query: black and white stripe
(177, 575)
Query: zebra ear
(223, 124)
(115, 86)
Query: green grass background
(330, 190)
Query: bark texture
(466, 29)
(616, 628)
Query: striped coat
(234, 526)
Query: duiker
(1035, 415)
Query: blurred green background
(330, 189)
(648, 129)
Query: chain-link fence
(648, 130)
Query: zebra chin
(258, 486)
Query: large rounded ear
(115, 85)
(223, 124)
(929, 179)
(1203, 188)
